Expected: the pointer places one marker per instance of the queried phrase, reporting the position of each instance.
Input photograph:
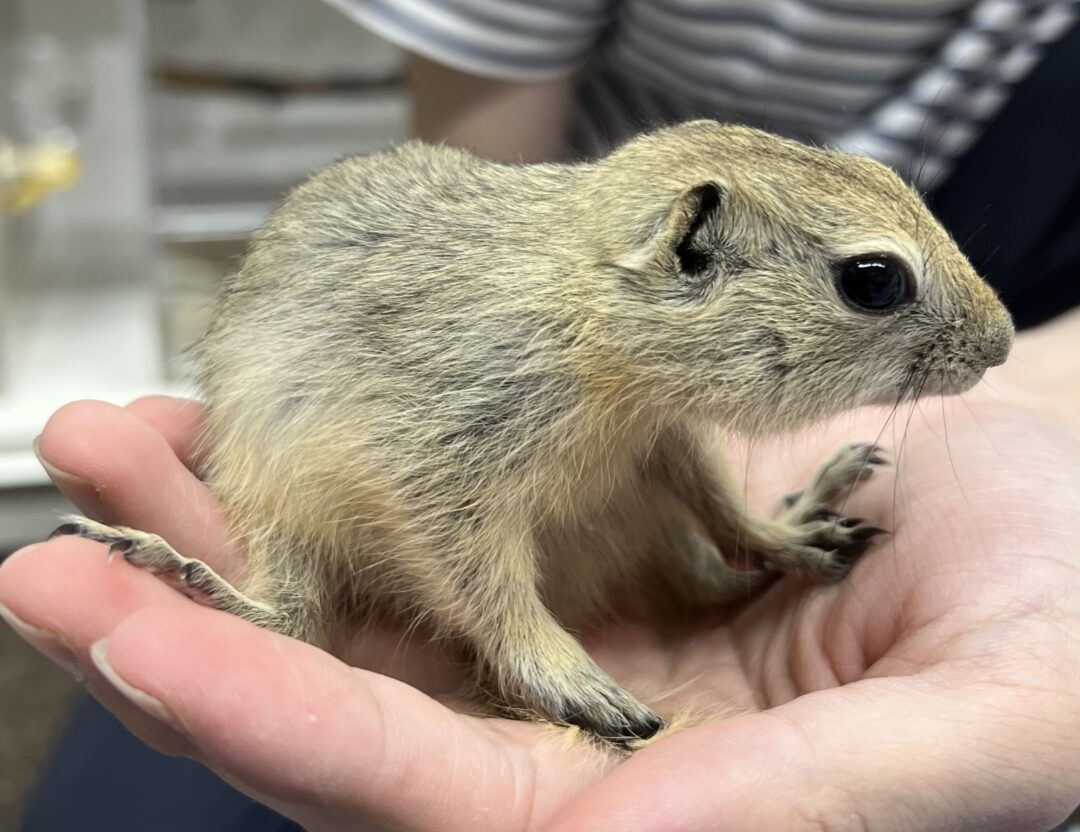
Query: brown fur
(444, 387)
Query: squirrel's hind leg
(192, 577)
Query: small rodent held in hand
(444, 387)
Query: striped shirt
(911, 84)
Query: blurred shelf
(229, 146)
(290, 41)
(82, 329)
(198, 223)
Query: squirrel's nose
(998, 342)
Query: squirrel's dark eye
(875, 282)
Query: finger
(912, 753)
(65, 595)
(179, 421)
(118, 468)
(317, 739)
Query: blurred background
(140, 142)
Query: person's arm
(509, 121)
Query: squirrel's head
(775, 284)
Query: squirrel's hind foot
(191, 577)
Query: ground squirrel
(444, 387)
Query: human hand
(1043, 371)
(935, 688)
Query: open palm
(935, 688)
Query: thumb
(913, 753)
(324, 743)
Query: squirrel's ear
(695, 227)
(686, 243)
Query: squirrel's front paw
(814, 539)
(824, 549)
(835, 480)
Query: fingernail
(54, 472)
(139, 698)
(81, 492)
(43, 641)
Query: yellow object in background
(28, 174)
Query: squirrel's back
(404, 312)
